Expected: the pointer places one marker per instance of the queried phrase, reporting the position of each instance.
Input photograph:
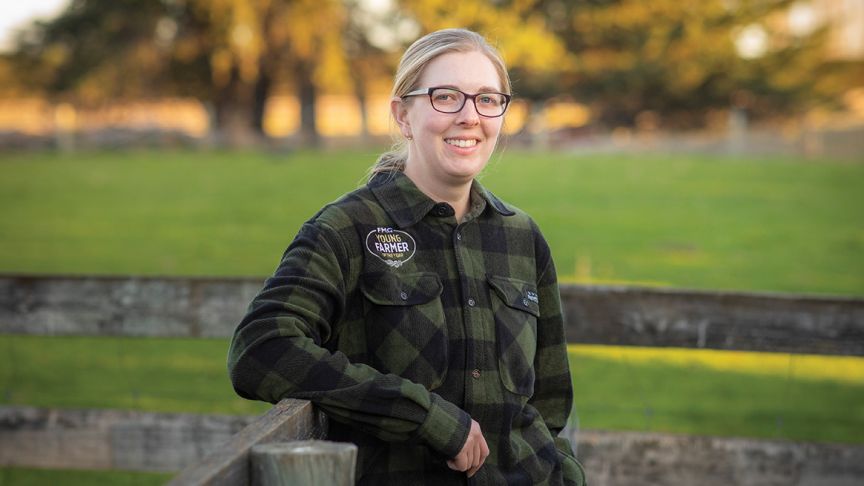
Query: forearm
(386, 406)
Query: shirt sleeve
(278, 351)
(553, 387)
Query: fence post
(303, 463)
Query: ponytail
(391, 161)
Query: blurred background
(714, 146)
(313, 73)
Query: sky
(15, 14)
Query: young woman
(420, 312)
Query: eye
(486, 99)
(490, 99)
(445, 96)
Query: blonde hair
(411, 66)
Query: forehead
(468, 71)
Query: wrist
(446, 427)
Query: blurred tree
(96, 50)
(237, 52)
(371, 39)
(230, 54)
(671, 61)
(677, 60)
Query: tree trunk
(362, 102)
(306, 92)
(235, 124)
(259, 99)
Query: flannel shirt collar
(407, 205)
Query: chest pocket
(405, 328)
(515, 306)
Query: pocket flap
(387, 288)
(516, 293)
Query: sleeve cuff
(446, 427)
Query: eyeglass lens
(451, 101)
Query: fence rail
(204, 446)
(212, 307)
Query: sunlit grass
(707, 392)
(703, 392)
(785, 225)
(846, 369)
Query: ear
(400, 114)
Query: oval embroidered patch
(393, 247)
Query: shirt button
(471, 302)
(443, 209)
(403, 295)
(476, 374)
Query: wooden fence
(211, 307)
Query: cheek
(492, 128)
(436, 125)
(427, 121)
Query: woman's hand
(473, 453)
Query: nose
(468, 114)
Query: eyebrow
(482, 89)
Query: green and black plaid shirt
(402, 325)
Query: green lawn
(695, 222)
(189, 375)
(160, 375)
(14, 476)
(620, 394)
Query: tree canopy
(675, 59)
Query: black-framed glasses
(451, 100)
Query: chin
(465, 171)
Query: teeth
(461, 143)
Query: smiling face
(449, 149)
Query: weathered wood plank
(212, 307)
(716, 320)
(110, 439)
(614, 458)
(123, 306)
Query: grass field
(42, 477)
(816, 398)
(695, 222)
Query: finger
(460, 462)
(470, 458)
(476, 461)
(473, 470)
(484, 451)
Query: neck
(457, 195)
